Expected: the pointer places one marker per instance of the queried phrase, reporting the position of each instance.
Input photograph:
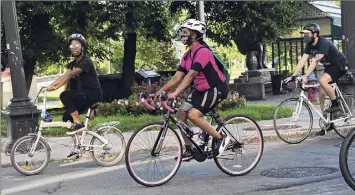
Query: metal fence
(287, 52)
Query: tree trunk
(129, 56)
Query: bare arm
(59, 79)
(187, 80)
(177, 78)
(66, 77)
(300, 64)
(314, 63)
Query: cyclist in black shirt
(334, 62)
(81, 71)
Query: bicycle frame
(303, 98)
(67, 125)
(161, 136)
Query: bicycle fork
(160, 139)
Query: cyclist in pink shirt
(211, 87)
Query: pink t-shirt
(205, 64)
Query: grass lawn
(132, 123)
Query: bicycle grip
(165, 104)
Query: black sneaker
(73, 155)
(187, 155)
(77, 126)
(320, 133)
(332, 109)
(221, 145)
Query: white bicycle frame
(68, 125)
(303, 98)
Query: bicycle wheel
(112, 153)
(287, 110)
(343, 127)
(23, 161)
(142, 163)
(238, 148)
(344, 159)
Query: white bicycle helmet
(194, 24)
(77, 36)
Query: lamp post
(21, 114)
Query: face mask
(308, 39)
(186, 40)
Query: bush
(132, 106)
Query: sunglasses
(74, 46)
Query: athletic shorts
(334, 72)
(207, 100)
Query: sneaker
(187, 155)
(73, 155)
(77, 126)
(332, 109)
(320, 133)
(221, 145)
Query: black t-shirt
(88, 80)
(332, 56)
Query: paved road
(319, 155)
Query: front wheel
(344, 159)
(245, 148)
(293, 121)
(25, 162)
(153, 168)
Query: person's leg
(210, 100)
(71, 101)
(322, 95)
(329, 76)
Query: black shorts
(208, 100)
(334, 72)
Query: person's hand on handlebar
(304, 79)
(287, 80)
(172, 95)
(51, 88)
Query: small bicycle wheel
(26, 163)
(112, 153)
(246, 146)
(153, 168)
(343, 127)
(346, 162)
(286, 115)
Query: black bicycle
(154, 152)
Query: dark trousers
(77, 101)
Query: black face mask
(308, 39)
(186, 40)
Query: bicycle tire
(119, 157)
(128, 157)
(310, 126)
(260, 152)
(23, 171)
(343, 159)
(334, 127)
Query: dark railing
(289, 51)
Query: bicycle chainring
(200, 157)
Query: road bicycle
(346, 163)
(27, 148)
(300, 109)
(154, 152)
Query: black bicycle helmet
(77, 36)
(313, 27)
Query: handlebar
(301, 84)
(147, 99)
